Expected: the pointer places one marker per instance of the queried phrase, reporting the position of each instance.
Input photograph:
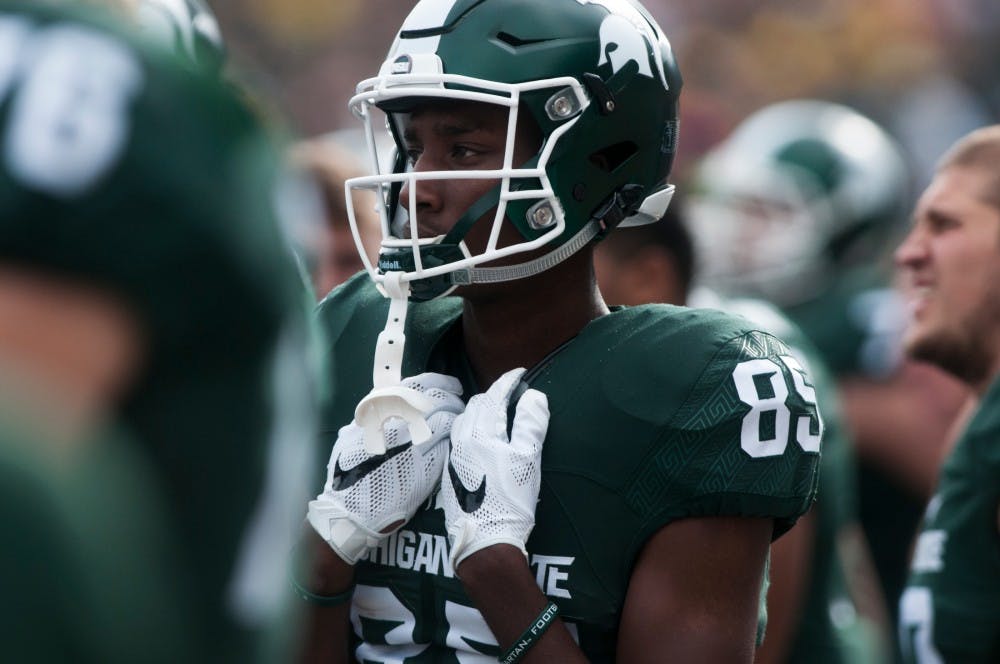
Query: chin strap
(388, 398)
(491, 275)
(389, 347)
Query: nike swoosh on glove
(365, 493)
(491, 483)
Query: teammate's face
(337, 259)
(951, 267)
(460, 137)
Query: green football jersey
(950, 610)
(88, 567)
(123, 169)
(657, 413)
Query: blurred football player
(146, 282)
(950, 262)
(799, 206)
(617, 499)
(823, 604)
(328, 248)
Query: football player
(799, 206)
(137, 231)
(950, 262)
(611, 486)
(88, 570)
(326, 244)
(823, 604)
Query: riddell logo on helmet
(669, 142)
(402, 65)
(389, 265)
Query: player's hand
(490, 483)
(367, 496)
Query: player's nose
(912, 250)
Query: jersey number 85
(762, 385)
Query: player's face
(951, 268)
(458, 137)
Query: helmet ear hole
(612, 157)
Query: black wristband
(531, 635)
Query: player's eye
(938, 223)
(463, 152)
(412, 155)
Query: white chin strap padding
(383, 404)
(388, 398)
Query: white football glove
(366, 492)
(490, 484)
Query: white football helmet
(799, 190)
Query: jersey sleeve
(745, 440)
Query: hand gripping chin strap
(491, 275)
(388, 398)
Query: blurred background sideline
(927, 70)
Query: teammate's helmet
(596, 76)
(187, 26)
(800, 190)
(120, 169)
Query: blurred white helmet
(800, 190)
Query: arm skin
(791, 573)
(694, 592)
(503, 588)
(693, 595)
(326, 630)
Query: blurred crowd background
(927, 70)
